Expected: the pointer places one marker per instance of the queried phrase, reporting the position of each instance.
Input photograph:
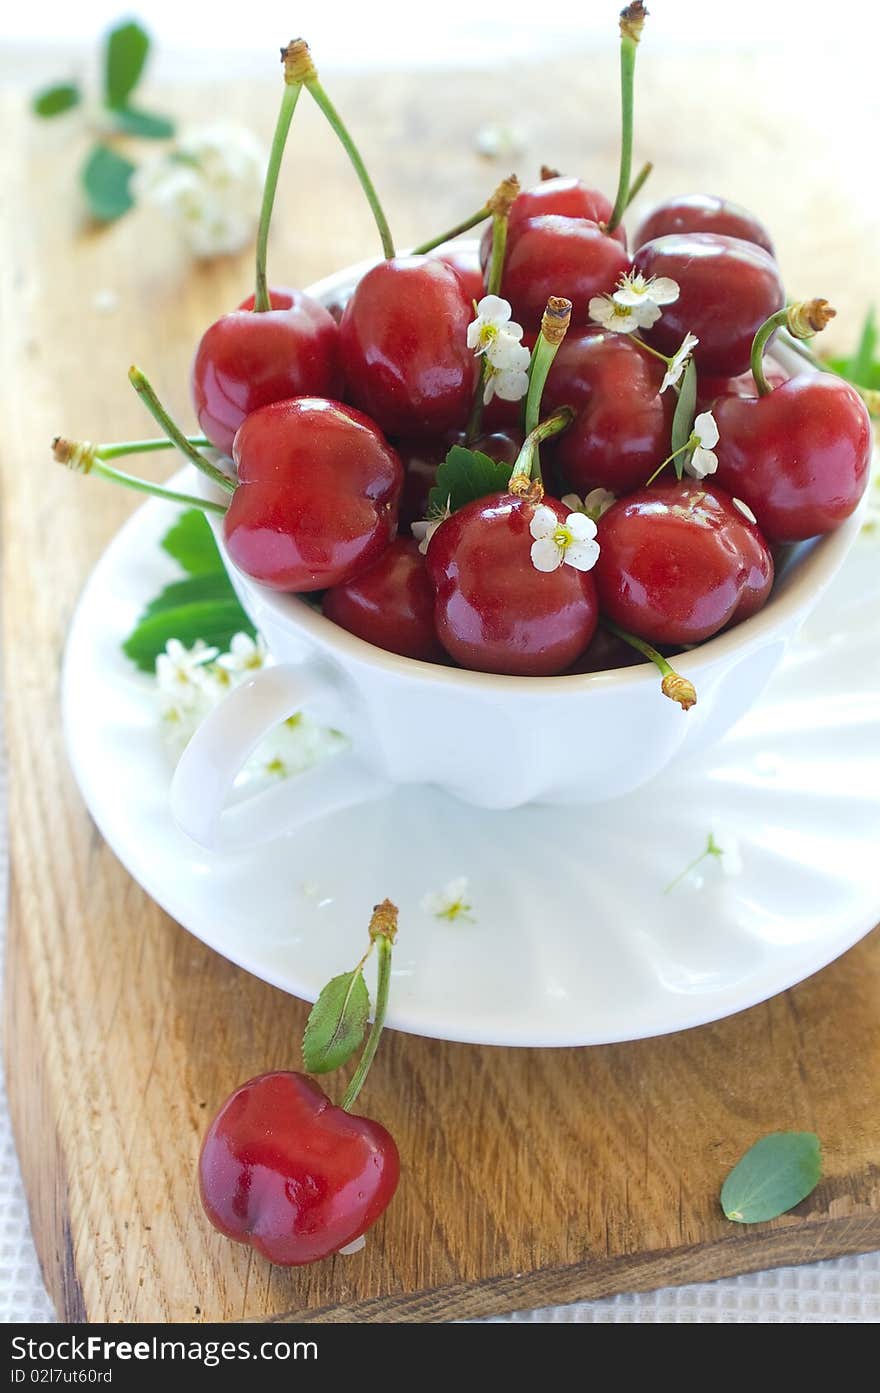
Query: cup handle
(208, 767)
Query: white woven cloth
(842, 1290)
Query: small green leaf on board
(773, 1176)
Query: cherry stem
(292, 89)
(383, 931)
(674, 686)
(632, 20)
(501, 203)
(148, 396)
(527, 469)
(299, 65)
(83, 458)
(119, 449)
(554, 327)
(802, 319)
(668, 460)
(465, 226)
(712, 849)
(639, 182)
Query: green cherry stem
(121, 448)
(632, 21)
(688, 445)
(83, 458)
(383, 931)
(647, 348)
(487, 211)
(299, 67)
(674, 686)
(499, 205)
(554, 327)
(803, 319)
(711, 849)
(292, 89)
(639, 182)
(526, 472)
(145, 391)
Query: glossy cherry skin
(284, 1170)
(703, 212)
(466, 262)
(246, 360)
(317, 495)
(562, 195)
(404, 346)
(494, 611)
(728, 288)
(390, 605)
(799, 456)
(710, 388)
(553, 255)
(605, 653)
(679, 561)
(621, 431)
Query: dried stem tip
(632, 21)
(679, 689)
(530, 489)
(297, 60)
(502, 200)
(78, 455)
(808, 317)
(548, 172)
(384, 921)
(556, 319)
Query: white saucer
(573, 941)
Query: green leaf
(775, 1174)
(685, 409)
(194, 590)
(131, 121)
(125, 55)
(464, 476)
(191, 543)
(215, 621)
(52, 101)
(105, 179)
(336, 1023)
(863, 368)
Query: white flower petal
(506, 353)
(744, 509)
(572, 502)
(645, 314)
(701, 463)
(511, 385)
(582, 555)
(544, 522)
(473, 335)
(489, 387)
(706, 429)
(663, 290)
(493, 310)
(581, 527)
(546, 555)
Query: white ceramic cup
(493, 741)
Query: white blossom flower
(678, 361)
(180, 671)
(507, 370)
(596, 503)
(424, 529)
(449, 903)
(635, 289)
(246, 655)
(703, 459)
(210, 184)
(492, 322)
(571, 542)
(622, 319)
(744, 509)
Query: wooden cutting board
(529, 1177)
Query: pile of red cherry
(337, 429)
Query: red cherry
(607, 652)
(553, 255)
(284, 1170)
(702, 212)
(621, 430)
(728, 288)
(466, 262)
(391, 605)
(567, 197)
(679, 561)
(248, 360)
(799, 456)
(495, 612)
(317, 495)
(404, 346)
(743, 385)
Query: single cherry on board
(679, 561)
(494, 611)
(702, 212)
(283, 1169)
(390, 605)
(317, 494)
(246, 360)
(728, 288)
(799, 456)
(621, 427)
(404, 348)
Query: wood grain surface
(529, 1177)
